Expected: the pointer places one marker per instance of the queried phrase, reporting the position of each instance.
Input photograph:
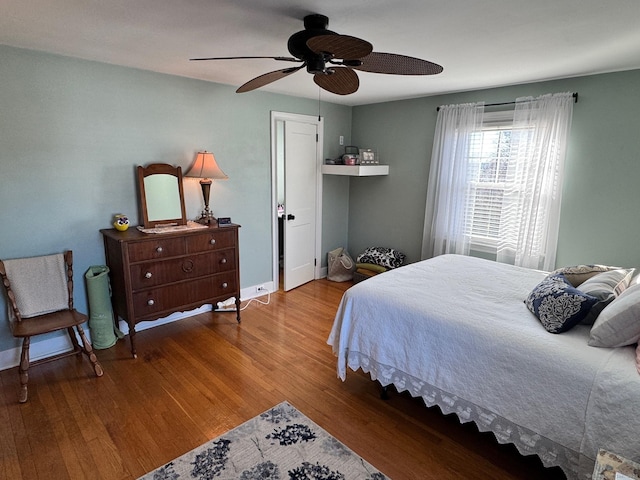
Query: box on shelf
(368, 157)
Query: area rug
(278, 444)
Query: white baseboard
(53, 346)
(37, 350)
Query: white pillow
(577, 274)
(605, 286)
(619, 323)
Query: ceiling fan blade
(340, 46)
(285, 59)
(394, 64)
(266, 79)
(342, 81)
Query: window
(490, 163)
(495, 180)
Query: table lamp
(206, 169)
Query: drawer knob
(212, 241)
(148, 275)
(223, 261)
(159, 249)
(150, 302)
(225, 285)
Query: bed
(455, 331)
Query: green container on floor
(104, 332)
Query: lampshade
(205, 166)
(206, 169)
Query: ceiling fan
(332, 59)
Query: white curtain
(531, 211)
(445, 217)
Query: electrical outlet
(260, 288)
(341, 139)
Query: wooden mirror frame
(160, 169)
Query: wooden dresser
(154, 275)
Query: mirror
(161, 195)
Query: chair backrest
(38, 285)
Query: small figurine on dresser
(120, 222)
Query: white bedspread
(455, 331)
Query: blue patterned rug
(279, 444)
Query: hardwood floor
(197, 378)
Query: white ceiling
(480, 44)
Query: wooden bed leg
(384, 394)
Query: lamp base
(207, 218)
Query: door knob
(291, 217)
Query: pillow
(385, 257)
(619, 323)
(605, 286)
(579, 273)
(371, 267)
(557, 304)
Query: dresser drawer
(215, 240)
(150, 274)
(156, 249)
(185, 295)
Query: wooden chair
(40, 296)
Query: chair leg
(88, 350)
(74, 341)
(23, 370)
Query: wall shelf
(356, 170)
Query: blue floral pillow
(559, 305)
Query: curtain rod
(575, 100)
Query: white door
(300, 170)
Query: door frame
(319, 122)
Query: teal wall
(600, 219)
(73, 131)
